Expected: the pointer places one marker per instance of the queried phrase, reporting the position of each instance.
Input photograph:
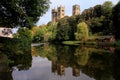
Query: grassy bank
(78, 43)
(91, 43)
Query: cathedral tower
(76, 10)
(61, 12)
(54, 15)
(58, 13)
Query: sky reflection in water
(41, 70)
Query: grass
(78, 43)
(92, 43)
(71, 42)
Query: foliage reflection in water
(13, 53)
(60, 62)
(84, 63)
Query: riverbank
(91, 43)
(37, 44)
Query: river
(61, 62)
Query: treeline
(98, 20)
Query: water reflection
(95, 63)
(59, 62)
(12, 53)
(116, 65)
(5, 70)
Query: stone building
(58, 13)
(6, 32)
(76, 10)
(54, 15)
(61, 12)
(76, 71)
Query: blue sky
(84, 4)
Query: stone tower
(76, 10)
(58, 13)
(61, 12)
(54, 15)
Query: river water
(61, 62)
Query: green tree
(44, 32)
(52, 29)
(87, 14)
(116, 20)
(97, 24)
(24, 36)
(63, 29)
(107, 8)
(38, 36)
(98, 18)
(97, 11)
(40, 33)
(82, 31)
(73, 21)
(21, 12)
(34, 29)
(107, 12)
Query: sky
(84, 4)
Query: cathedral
(60, 12)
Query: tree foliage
(24, 36)
(44, 33)
(82, 31)
(116, 20)
(97, 24)
(66, 27)
(97, 19)
(73, 21)
(107, 8)
(63, 29)
(21, 12)
(39, 34)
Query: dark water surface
(60, 62)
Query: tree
(116, 20)
(97, 24)
(82, 31)
(24, 36)
(39, 34)
(98, 18)
(107, 8)
(44, 32)
(87, 14)
(52, 31)
(73, 21)
(97, 11)
(34, 29)
(63, 29)
(107, 12)
(22, 13)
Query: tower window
(62, 10)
